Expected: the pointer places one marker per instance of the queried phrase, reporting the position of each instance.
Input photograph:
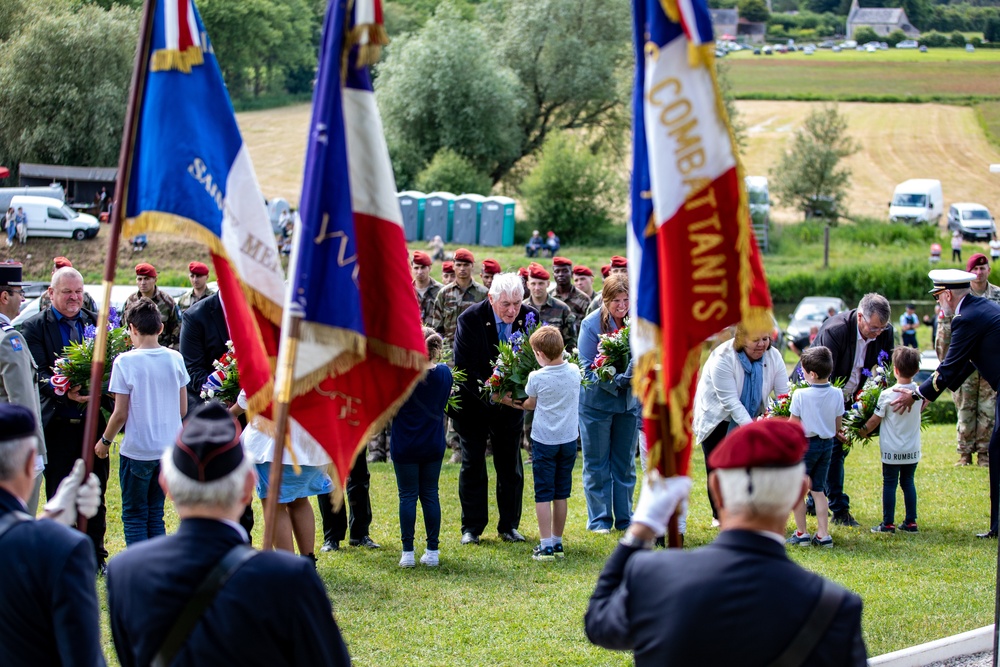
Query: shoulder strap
(203, 597)
(11, 519)
(802, 645)
(5, 327)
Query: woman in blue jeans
(417, 446)
(609, 419)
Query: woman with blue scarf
(737, 379)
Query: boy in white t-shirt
(554, 394)
(899, 442)
(820, 408)
(149, 383)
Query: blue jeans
(142, 500)
(609, 443)
(418, 480)
(904, 474)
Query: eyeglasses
(874, 329)
(19, 292)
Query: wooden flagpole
(111, 259)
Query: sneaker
(557, 551)
(826, 542)
(884, 528)
(601, 531)
(430, 558)
(407, 560)
(543, 553)
(798, 539)
(909, 527)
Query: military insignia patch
(15, 342)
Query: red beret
(447, 267)
(537, 271)
(62, 262)
(463, 255)
(618, 262)
(561, 261)
(606, 270)
(421, 258)
(198, 269)
(523, 272)
(145, 269)
(976, 260)
(581, 270)
(491, 266)
(551, 233)
(767, 443)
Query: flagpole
(111, 259)
(668, 466)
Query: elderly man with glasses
(855, 338)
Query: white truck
(55, 191)
(918, 200)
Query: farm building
(751, 32)
(882, 20)
(724, 22)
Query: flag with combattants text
(694, 263)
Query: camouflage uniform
(451, 302)
(426, 302)
(595, 303)
(88, 302)
(577, 302)
(188, 299)
(975, 400)
(169, 313)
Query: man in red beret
(198, 275)
(145, 280)
(45, 301)
(491, 267)
(619, 265)
(454, 298)
(563, 289)
(550, 309)
(665, 606)
(425, 288)
(447, 272)
(523, 273)
(583, 280)
(552, 243)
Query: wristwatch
(630, 540)
(106, 442)
(915, 395)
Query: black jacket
(839, 333)
(204, 333)
(975, 339)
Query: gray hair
(769, 492)
(875, 304)
(64, 272)
(223, 493)
(509, 284)
(13, 455)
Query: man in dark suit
(739, 600)
(46, 334)
(855, 338)
(203, 341)
(975, 339)
(480, 328)
(48, 603)
(272, 609)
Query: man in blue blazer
(271, 610)
(975, 339)
(480, 329)
(48, 602)
(739, 600)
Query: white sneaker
(407, 560)
(430, 558)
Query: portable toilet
(465, 230)
(412, 203)
(439, 214)
(496, 222)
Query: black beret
(16, 421)
(208, 447)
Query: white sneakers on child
(430, 558)
(407, 560)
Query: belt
(68, 420)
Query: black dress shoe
(330, 545)
(102, 568)
(844, 518)
(991, 535)
(470, 538)
(512, 536)
(365, 542)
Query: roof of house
(870, 15)
(100, 174)
(725, 16)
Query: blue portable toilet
(465, 228)
(411, 204)
(496, 222)
(439, 215)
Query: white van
(917, 200)
(760, 199)
(51, 217)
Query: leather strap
(189, 617)
(11, 519)
(802, 645)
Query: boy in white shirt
(820, 408)
(899, 442)
(149, 383)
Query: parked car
(827, 44)
(907, 44)
(767, 51)
(836, 49)
(756, 52)
(53, 218)
(972, 220)
(848, 44)
(808, 50)
(922, 49)
(811, 311)
(928, 364)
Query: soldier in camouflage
(453, 299)
(564, 290)
(975, 400)
(595, 303)
(447, 272)
(44, 301)
(425, 288)
(145, 279)
(198, 275)
(491, 267)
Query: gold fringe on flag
(174, 59)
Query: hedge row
(896, 282)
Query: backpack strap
(802, 645)
(189, 617)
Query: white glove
(73, 497)
(659, 500)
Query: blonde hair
(614, 285)
(742, 337)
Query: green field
(896, 75)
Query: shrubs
(450, 172)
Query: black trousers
(995, 472)
(502, 425)
(335, 524)
(64, 441)
(709, 444)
